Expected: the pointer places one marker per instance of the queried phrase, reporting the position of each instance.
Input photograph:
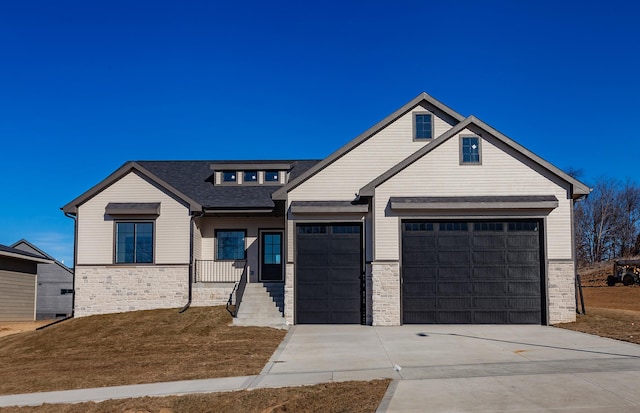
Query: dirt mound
(595, 275)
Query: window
(134, 242)
(488, 226)
(470, 150)
(229, 176)
(230, 245)
(250, 176)
(423, 126)
(312, 229)
(346, 229)
(418, 226)
(523, 226)
(453, 226)
(271, 176)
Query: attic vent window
(251, 176)
(229, 177)
(271, 176)
(423, 126)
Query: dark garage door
(480, 272)
(328, 274)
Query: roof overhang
(133, 208)
(24, 257)
(248, 166)
(422, 99)
(328, 207)
(578, 189)
(72, 207)
(546, 202)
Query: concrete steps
(262, 305)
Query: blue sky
(87, 85)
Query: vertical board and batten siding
(342, 179)
(439, 173)
(251, 225)
(96, 233)
(197, 239)
(17, 290)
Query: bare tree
(597, 221)
(628, 218)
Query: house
(427, 217)
(18, 276)
(55, 284)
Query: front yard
(131, 348)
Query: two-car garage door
(472, 272)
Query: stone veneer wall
(369, 295)
(208, 294)
(562, 291)
(288, 294)
(386, 293)
(116, 289)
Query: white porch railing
(211, 271)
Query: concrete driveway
(466, 368)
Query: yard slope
(132, 348)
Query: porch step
(262, 305)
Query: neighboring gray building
(55, 284)
(18, 271)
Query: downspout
(75, 260)
(188, 304)
(73, 286)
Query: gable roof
(11, 252)
(40, 252)
(191, 182)
(434, 105)
(473, 123)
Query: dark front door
(271, 256)
(329, 274)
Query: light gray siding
(439, 173)
(252, 225)
(341, 180)
(96, 231)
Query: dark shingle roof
(27, 255)
(192, 178)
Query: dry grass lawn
(612, 312)
(356, 396)
(132, 348)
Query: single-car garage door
(472, 272)
(329, 274)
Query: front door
(271, 256)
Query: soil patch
(15, 327)
(132, 348)
(355, 396)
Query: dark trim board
(473, 271)
(329, 273)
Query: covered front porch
(239, 261)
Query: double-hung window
(470, 150)
(230, 245)
(134, 242)
(423, 126)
